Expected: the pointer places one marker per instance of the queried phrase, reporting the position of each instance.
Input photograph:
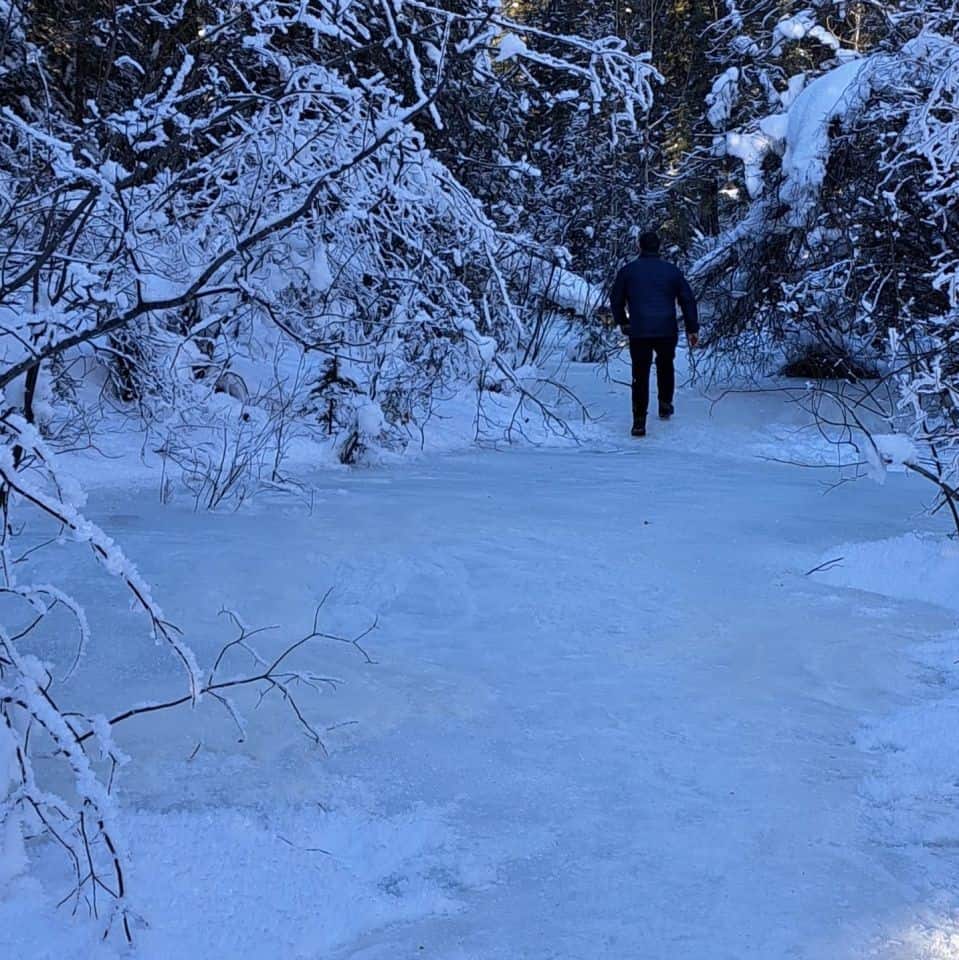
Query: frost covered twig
(270, 675)
(40, 736)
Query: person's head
(649, 242)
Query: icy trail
(611, 717)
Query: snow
(611, 716)
(800, 135)
(833, 95)
(12, 854)
(745, 46)
(799, 27)
(722, 97)
(911, 796)
(321, 274)
(775, 127)
(889, 452)
(910, 566)
(511, 46)
(794, 87)
(370, 421)
(571, 292)
(751, 148)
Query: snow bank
(911, 567)
(911, 798)
(296, 882)
(911, 795)
(915, 795)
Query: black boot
(666, 411)
(639, 428)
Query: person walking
(644, 300)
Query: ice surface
(611, 717)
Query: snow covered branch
(268, 210)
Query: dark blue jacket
(650, 289)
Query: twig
(827, 565)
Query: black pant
(641, 353)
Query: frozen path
(665, 708)
(611, 717)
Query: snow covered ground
(611, 714)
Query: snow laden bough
(773, 128)
(257, 247)
(846, 255)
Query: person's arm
(617, 301)
(687, 301)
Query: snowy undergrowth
(531, 406)
(306, 266)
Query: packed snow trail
(611, 717)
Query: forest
(250, 250)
